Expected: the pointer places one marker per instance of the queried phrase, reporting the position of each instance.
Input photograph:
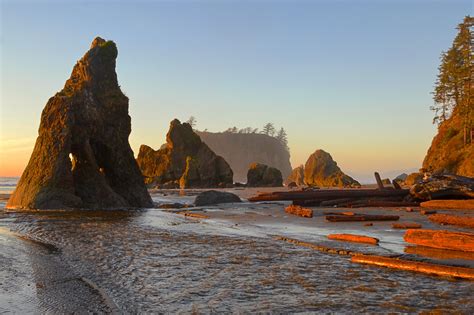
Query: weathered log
(467, 204)
(406, 226)
(379, 180)
(361, 217)
(339, 213)
(457, 220)
(354, 238)
(334, 202)
(328, 194)
(438, 253)
(423, 267)
(381, 203)
(396, 185)
(441, 239)
(444, 187)
(299, 211)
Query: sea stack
(321, 170)
(82, 158)
(261, 175)
(184, 161)
(296, 176)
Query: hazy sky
(351, 77)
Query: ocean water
(152, 261)
(8, 184)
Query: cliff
(242, 149)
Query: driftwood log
(467, 204)
(361, 217)
(444, 187)
(441, 239)
(299, 211)
(438, 253)
(457, 220)
(423, 267)
(354, 238)
(329, 194)
(379, 180)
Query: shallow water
(157, 261)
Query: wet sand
(158, 260)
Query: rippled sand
(158, 261)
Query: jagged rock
(321, 170)
(213, 197)
(448, 153)
(386, 181)
(185, 160)
(413, 178)
(296, 176)
(401, 178)
(82, 158)
(261, 175)
(242, 149)
(444, 187)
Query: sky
(350, 77)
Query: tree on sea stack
(82, 158)
(269, 129)
(451, 150)
(454, 88)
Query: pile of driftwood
(351, 198)
(444, 186)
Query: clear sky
(351, 77)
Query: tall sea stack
(184, 161)
(82, 158)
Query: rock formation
(400, 178)
(448, 153)
(213, 197)
(261, 175)
(82, 158)
(242, 149)
(413, 178)
(184, 162)
(296, 176)
(321, 170)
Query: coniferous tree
(269, 129)
(282, 137)
(454, 87)
(192, 121)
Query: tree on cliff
(282, 137)
(454, 87)
(269, 129)
(192, 121)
